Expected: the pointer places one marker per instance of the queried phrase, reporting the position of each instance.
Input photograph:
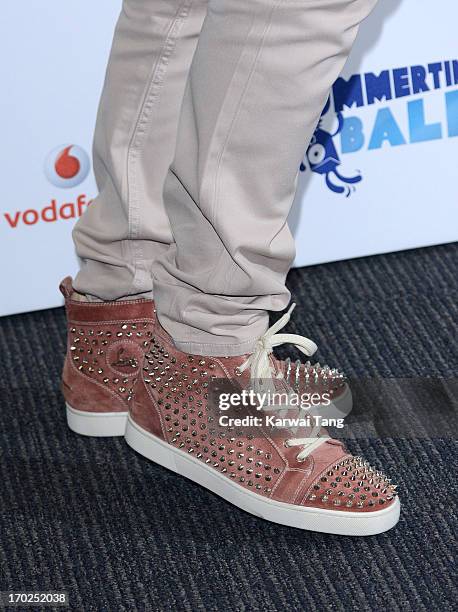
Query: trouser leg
(126, 226)
(258, 82)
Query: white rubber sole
(97, 424)
(313, 519)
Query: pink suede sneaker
(106, 342)
(306, 482)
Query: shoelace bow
(261, 368)
(259, 360)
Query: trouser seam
(155, 83)
(216, 191)
(238, 109)
(233, 122)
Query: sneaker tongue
(332, 451)
(79, 297)
(278, 366)
(66, 287)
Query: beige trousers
(207, 109)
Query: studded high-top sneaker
(106, 342)
(305, 482)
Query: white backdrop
(403, 146)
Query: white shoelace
(261, 369)
(259, 362)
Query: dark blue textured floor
(119, 533)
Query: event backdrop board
(379, 175)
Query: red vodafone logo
(67, 166)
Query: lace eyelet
(300, 460)
(286, 444)
(237, 372)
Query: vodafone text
(49, 214)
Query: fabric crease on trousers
(206, 111)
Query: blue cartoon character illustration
(323, 157)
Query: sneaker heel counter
(83, 393)
(144, 412)
(65, 382)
